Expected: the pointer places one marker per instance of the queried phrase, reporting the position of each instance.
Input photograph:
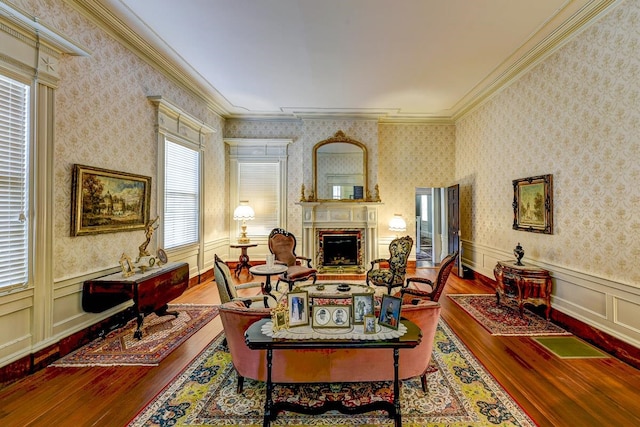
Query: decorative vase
(519, 253)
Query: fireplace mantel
(337, 215)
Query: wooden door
(453, 223)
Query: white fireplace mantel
(337, 215)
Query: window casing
(181, 218)
(14, 183)
(258, 174)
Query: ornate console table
(151, 291)
(524, 283)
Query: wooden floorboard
(553, 391)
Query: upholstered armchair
(393, 275)
(409, 293)
(229, 291)
(283, 245)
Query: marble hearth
(350, 218)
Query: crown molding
(537, 51)
(116, 27)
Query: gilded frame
(533, 204)
(362, 305)
(106, 201)
(340, 137)
(298, 308)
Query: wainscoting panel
(625, 313)
(16, 311)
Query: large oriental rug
(160, 336)
(461, 393)
(504, 319)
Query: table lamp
(397, 223)
(243, 212)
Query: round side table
(243, 261)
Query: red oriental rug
(504, 319)
(160, 336)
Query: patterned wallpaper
(576, 116)
(411, 156)
(103, 119)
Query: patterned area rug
(160, 336)
(461, 393)
(505, 319)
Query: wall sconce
(243, 213)
(397, 223)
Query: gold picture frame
(533, 204)
(128, 269)
(331, 316)
(298, 303)
(106, 201)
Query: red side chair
(283, 245)
(409, 293)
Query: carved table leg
(396, 388)
(268, 401)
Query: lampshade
(397, 223)
(243, 211)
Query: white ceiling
(403, 59)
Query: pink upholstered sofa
(341, 365)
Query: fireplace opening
(340, 250)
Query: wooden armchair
(283, 245)
(410, 295)
(393, 276)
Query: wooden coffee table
(256, 340)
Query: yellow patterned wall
(576, 116)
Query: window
(259, 184)
(258, 174)
(14, 183)
(181, 195)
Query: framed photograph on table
(533, 204)
(390, 311)
(331, 316)
(369, 324)
(298, 303)
(362, 305)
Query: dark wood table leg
(396, 388)
(268, 405)
(243, 262)
(139, 319)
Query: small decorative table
(257, 340)
(525, 283)
(267, 272)
(243, 261)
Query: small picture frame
(127, 266)
(280, 317)
(331, 316)
(362, 305)
(298, 303)
(162, 256)
(390, 311)
(369, 324)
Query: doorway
(437, 224)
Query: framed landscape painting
(533, 204)
(105, 201)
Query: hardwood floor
(553, 391)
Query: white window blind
(259, 184)
(181, 195)
(14, 180)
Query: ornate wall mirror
(340, 169)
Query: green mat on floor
(570, 347)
